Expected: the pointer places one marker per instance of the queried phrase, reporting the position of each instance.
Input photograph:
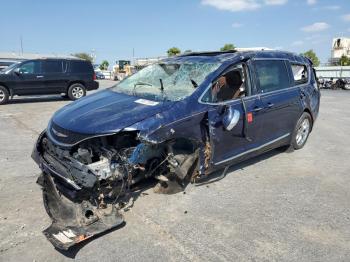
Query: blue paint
(108, 112)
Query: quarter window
(81, 67)
(300, 74)
(271, 75)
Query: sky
(113, 29)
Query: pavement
(277, 207)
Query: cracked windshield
(166, 82)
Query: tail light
(94, 77)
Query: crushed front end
(86, 184)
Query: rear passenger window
(300, 74)
(271, 75)
(81, 67)
(53, 67)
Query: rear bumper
(93, 85)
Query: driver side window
(230, 85)
(30, 68)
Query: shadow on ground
(37, 99)
(220, 174)
(139, 190)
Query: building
(340, 47)
(143, 62)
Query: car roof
(233, 56)
(56, 58)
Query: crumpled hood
(106, 112)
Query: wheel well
(8, 89)
(75, 82)
(306, 110)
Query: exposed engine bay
(85, 186)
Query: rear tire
(76, 91)
(302, 131)
(4, 95)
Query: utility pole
(93, 55)
(21, 45)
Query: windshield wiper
(195, 85)
(165, 98)
(140, 83)
(161, 85)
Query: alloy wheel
(77, 92)
(2, 95)
(303, 132)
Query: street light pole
(21, 45)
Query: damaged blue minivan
(174, 122)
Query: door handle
(39, 76)
(257, 109)
(269, 105)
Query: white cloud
(237, 25)
(331, 7)
(346, 17)
(317, 39)
(311, 2)
(312, 37)
(316, 27)
(275, 2)
(297, 43)
(233, 5)
(241, 5)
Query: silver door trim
(251, 150)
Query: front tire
(4, 95)
(76, 91)
(302, 131)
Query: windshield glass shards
(166, 82)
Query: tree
(188, 51)
(312, 56)
(84, 56)
(344, 61)
(173, 51)
(227, 47)
(104, 65)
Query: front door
(28, 79)
(235, 142)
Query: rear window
(80, 67)
(53, 67)
(300, 74)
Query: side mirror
(230, 118)
(17, 71)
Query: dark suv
(72, 77)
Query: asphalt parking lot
(278, 207)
